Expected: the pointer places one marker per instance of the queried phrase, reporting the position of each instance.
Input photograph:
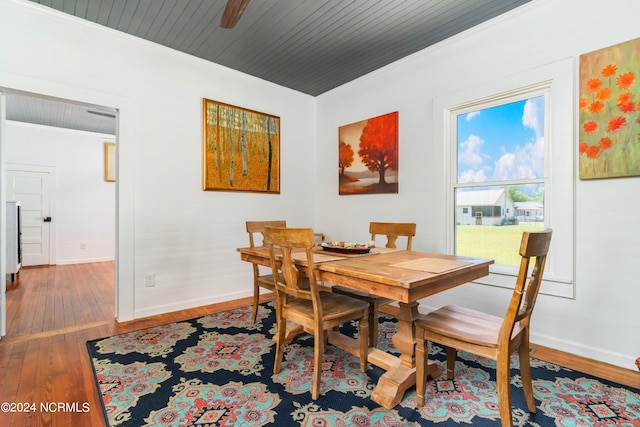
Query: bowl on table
(342, 247)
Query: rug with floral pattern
(217, 370)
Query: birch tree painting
(241, 149)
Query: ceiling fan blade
(233, 12)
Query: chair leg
(504, 396)
(422, 359)
(373, 324)
(451, 362)
(318, 351)
(256, 301)
(281, 325)
(525, 373)
(363, 331)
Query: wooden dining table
(403, 276)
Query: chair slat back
(255, 227)
(533, 245)
(282, 242)
(393, 230)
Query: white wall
(85, 203)
(602, 321)
(167, 225)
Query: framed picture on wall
(110, 162)
(241, 149)
(368, 156)
(609, 145)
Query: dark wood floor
(53, 311)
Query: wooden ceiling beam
(232, 12)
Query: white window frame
(556, 81)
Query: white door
(31, 185)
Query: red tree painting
(345, 156)
(375, 170)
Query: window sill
(551, 285)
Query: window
(509, 158)
(500, 166)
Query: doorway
(39, 237)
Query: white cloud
(472, 176)
(524, 162)
(533, 115)
(469, 152)
(472, 115)
(537, 156)
(504, 167)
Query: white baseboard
(83, 260)
(183, 305)
(594, 353)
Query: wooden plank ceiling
(311, 46)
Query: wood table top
(398, 274)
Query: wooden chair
(255, 228)
(486, 335)
(314, 310)
(392, 230)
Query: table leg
(392, 384)
(405, 338)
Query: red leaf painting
(375, 169)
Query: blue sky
(502, 143)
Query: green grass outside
(500, 243)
